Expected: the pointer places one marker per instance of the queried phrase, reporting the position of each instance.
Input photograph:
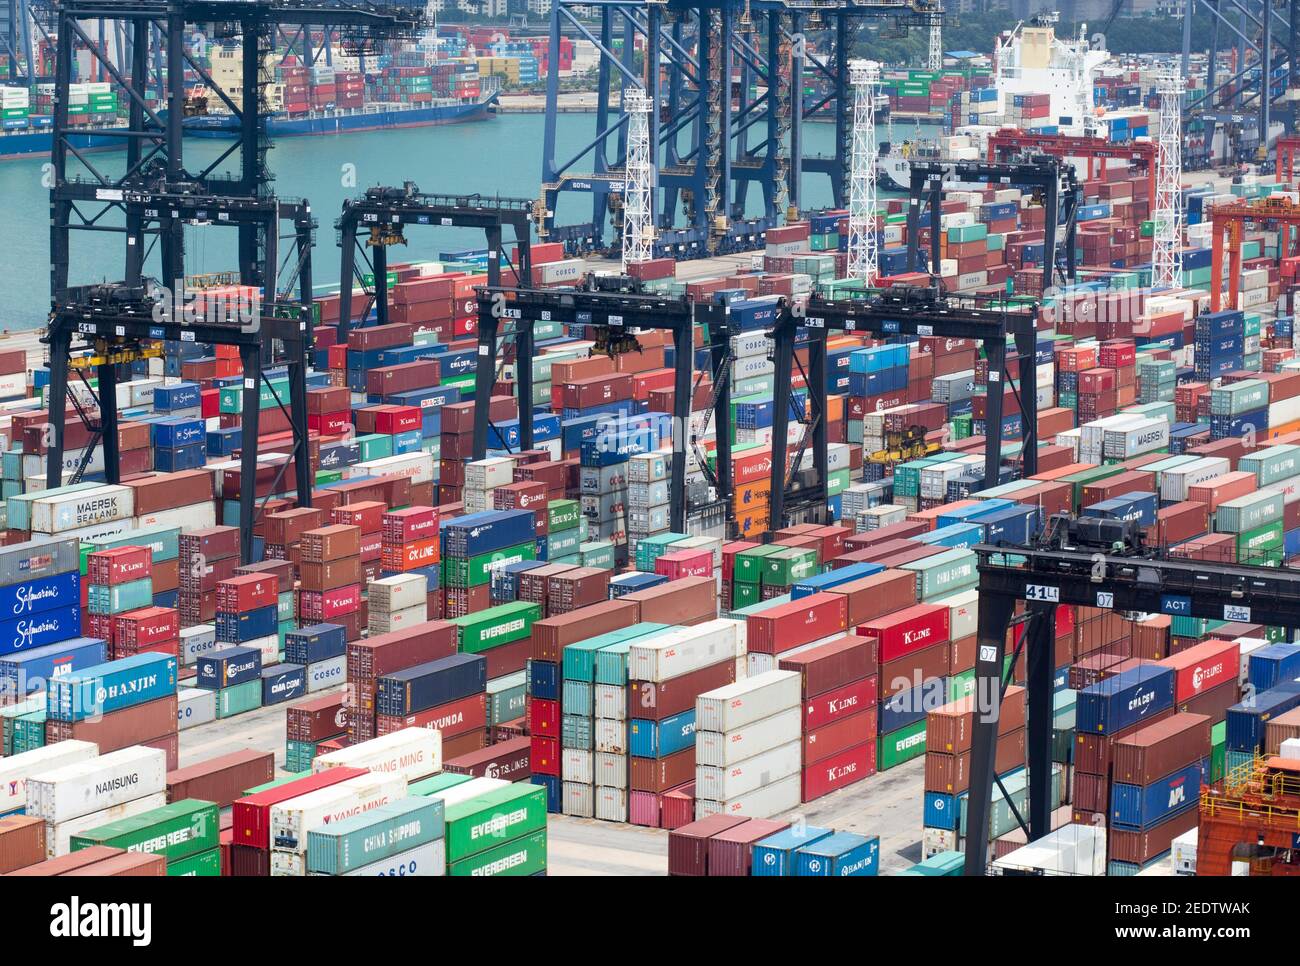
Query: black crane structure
(901, 310)
(1088, 575)
(155, 197)
(385, 212)
(611, 316)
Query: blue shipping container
(1246, 721)
(1141, 806)
(774, 855)
(841, 854)
(283, 682)
(248, 625)
(28, 671)
(1119, 702)
(659, 739)
(37, 630)
(1274, 665)
(111, 686)
(319, 642)
(431, 684)
(35, 596)
(228, 667)
(833, 578)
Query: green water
(497, 156)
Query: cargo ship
(372, 117)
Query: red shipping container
(834, 738)
(832, 665)
(246, 592)
(543, 717)
(119, 565)
(907, 631)
(844, 702)
(838, 771)
(252, 813)
(545, 755)
(685, 563)
(1203, 667)
(146, 627)
(688, 846)
(454, 718)
(802, 621)
(731, 851)
(410, 523)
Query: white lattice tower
(864, 75)
(1168, 213)
(935, 60)
(638, 227)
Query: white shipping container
(16, 769)
(575, 765)
(390, 594)
(1175, 483)
(578, 799)
(195, 516)
(735, 705)
(566, 270)
(68, 511)
(609, 735)
(410, 753)
(936, 840)
(719, 749)
(609, 769)
(417, 466)
(90, 786)
(1143, 436)
(682, 650)
(723, 784)
(195, 706)
(1069, 850)
(13, 385)
(487, 474)
(1284, 411)
(58, 838)
(611, 702)
(326, 674)
(963, 613)
(774, 799)
(1182, 852)
(268, 646)
(1290, 749)
(197, 641)
(291, 819)
(611, 804)
(397, 620)
(423, 860)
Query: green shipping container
(961, 685)
(944, 573)
(496, 626)
(523, 856)
(232, 397)
(748, 567)
(375, 835)
(204, 863)
(787, 565)
(435, 783)
(173, 831)
(476, 571)
(597, 553)
(743, 595)
(494, 818)
(563, 515)
(651, 548)
(1261, 546)
(611, 664)
(899, 746)
(240, 698)
(375, 446)
(578, 662)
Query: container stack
(330, 575)
(183, 832)
(409, 548)
(291, 819)
(369, 660)
(308, 724)
(234, 675)
(647, 497)
(472, 545)
(447, 695)
(321, 649)
(73, 798)
(747, 747)
(207, 557)
(394, 603)
(402, 837)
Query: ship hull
(28, 144)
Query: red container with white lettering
(453, 718)
(410, 524)
(844, 702)
(143, 628)
(1202, 667)
(907, 631)
(119, 565)
(685, 563)
(838, 736)
(838, 771)
(245, 592)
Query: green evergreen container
(174, 831)
(494, 818)
(524, 856)
(899, 746)
(495, 626)
(462, 572)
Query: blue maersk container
(283, 682)
(833, 578)
(28, 671)
(228, 667)
(1142, 806)
(659, 739)
(1273, 665)
(775, 855)
(841, 854)
(1246, 721)
(36, 596)
(1119, 702)
(431, 684)
(110, 687)
(37, 630)
(311, 645)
